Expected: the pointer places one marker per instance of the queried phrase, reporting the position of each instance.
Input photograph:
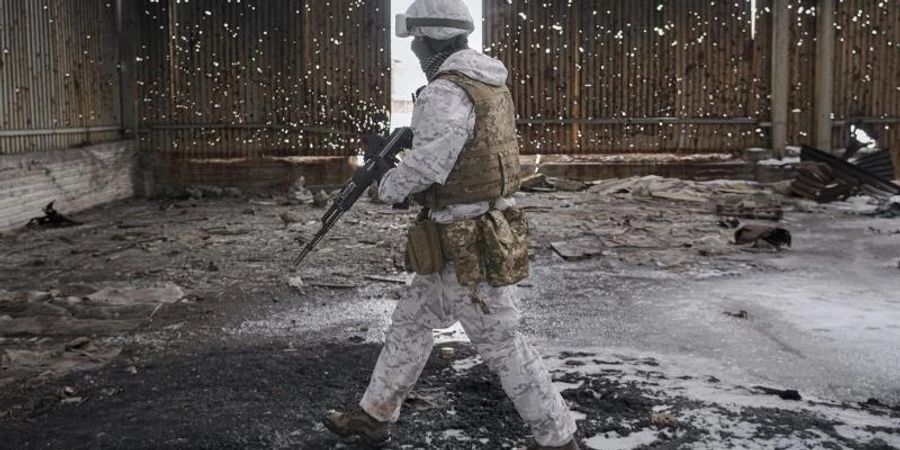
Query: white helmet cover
(436, 19)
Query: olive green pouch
(504, 239)
(424, 255)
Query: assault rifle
(364, 177)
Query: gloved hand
(382, 165)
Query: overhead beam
(781, 35)
(824, 103)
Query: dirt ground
(171, 324)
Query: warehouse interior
(713, 191)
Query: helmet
(436, 19)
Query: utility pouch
(462, 246)
(504, 238)
(423, 248)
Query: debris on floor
(767, 208)
(742, 314)
(564, 184)
(56, 361)
(51, 219)
(531, 181)
(785, 394)
(578, 249)
(776, 237)
(826, 178)
(38, 326)
(878, 162)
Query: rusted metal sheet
(59, 82)
(260, 78)
(592, 76)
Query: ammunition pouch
(492, 248)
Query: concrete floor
(823, 319)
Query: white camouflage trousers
(438, 301)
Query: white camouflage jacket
(443, 122)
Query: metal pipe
(244, 126)
(824, 103)
(876, 120)
(645, 121)
(780, 90)
(57, 131)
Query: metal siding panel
(264, 98)
(629, 71)
(59, 72)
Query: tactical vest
(488, 167)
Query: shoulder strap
(475, 89)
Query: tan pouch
(423, 248)
(504, 239)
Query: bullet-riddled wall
(644, 76)
(258, 79)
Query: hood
(478, 66)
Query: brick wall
(76, 178)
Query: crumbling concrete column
(824, 74)
(781, 34)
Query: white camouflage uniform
(443, 122)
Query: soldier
(469, 247)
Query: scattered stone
(234, 192)
(738, 315)
(193, 193)
(65, 392)
(290, 217)
(564, 184)
(448, 352)
(321, 199)
(663, 420)
(419, 402)
(372, 192)
(579, 248)
(162, 293)
(785, 394)
(755, 234)
(532, 181)
(295, 282)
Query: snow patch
(614, 441)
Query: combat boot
(358, 423)
(572, 445)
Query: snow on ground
(732, 412)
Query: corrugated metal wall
(59, 81)
(867, 69)
(593, 76)
(258, 78)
